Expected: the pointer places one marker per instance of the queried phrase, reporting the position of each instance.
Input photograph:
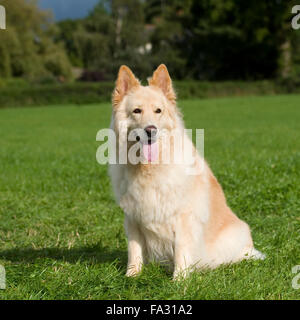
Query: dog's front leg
(135, 248)
(182, 261)
(188, 245)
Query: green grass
(61, 234)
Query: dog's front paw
(180, 274)
(133, 270)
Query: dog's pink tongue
(151, 151)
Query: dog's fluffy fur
(171, 216)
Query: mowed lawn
(61, 233)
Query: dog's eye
(137, 110)
(158, 110)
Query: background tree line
(202, 40)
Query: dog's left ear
(162, 80)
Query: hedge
(84, 93)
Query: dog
(176, 218)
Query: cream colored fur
(172, 217)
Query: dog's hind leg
(234, 244)
(252, 253)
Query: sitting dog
(170, 216)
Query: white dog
(170, 216)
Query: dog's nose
(151, 131)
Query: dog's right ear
(125, 82)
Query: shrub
(47, 94)
(16, 93)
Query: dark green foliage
(45, 94)
(219, 40)
(207, 40)
(18, 93)
(203, 40)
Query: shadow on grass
(92, 255)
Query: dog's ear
(162, 80)
(125, 82)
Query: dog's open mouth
(150, 150)
(149, 143)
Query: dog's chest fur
(153, 200)
(149, 200)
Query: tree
(27, 47)
(204, 40)
(229, 39)
(113, 34)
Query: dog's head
(146, 111)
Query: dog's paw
(257, 255)
(133, 271)
(179, 275)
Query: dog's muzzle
(151, 132)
